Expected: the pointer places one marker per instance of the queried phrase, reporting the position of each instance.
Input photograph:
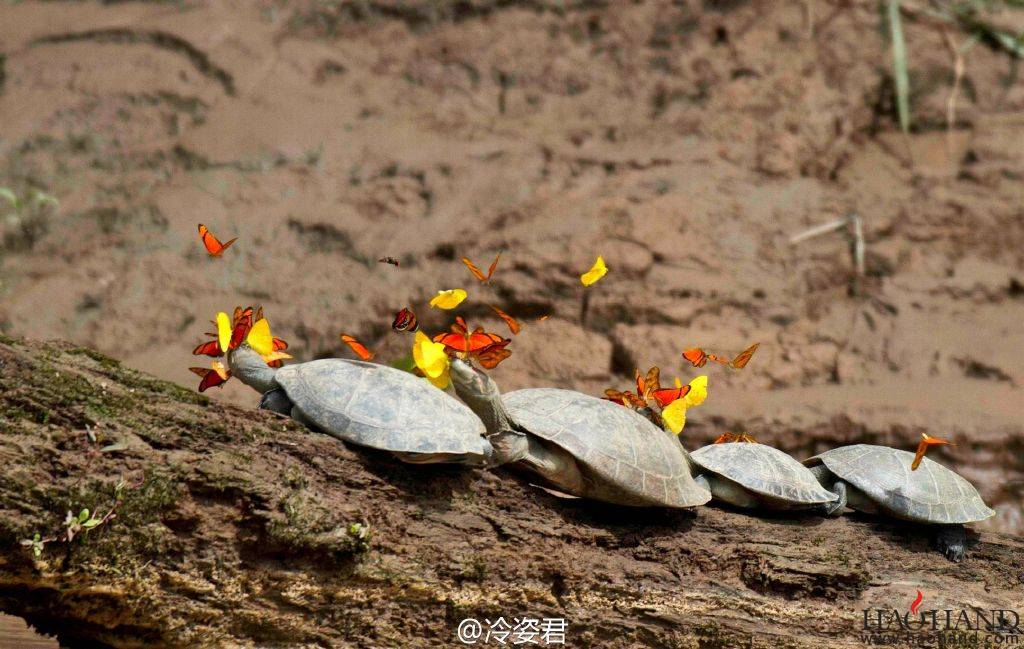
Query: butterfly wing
(489, 357)
(358, 347)
(209, 378)
(743, 357)
(494, 264)
(212, 244)
(513, 324)
(696, 356)
(665, 396)
(477, 273)
(209, 348)
(927, 441)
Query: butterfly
(388, 260)
(726, 438)
(922, 448)
(215, 376)
(358, 347)
(266, 345)
(699, 358)
(488, 348)
(405, 320)
(514, 325)
(212, 243)
(479, 274)
(647, 387)
(596, 272)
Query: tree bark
(236, 527)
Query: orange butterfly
(648, 387)
(405, 320)
(479, 274)
(213, 245)
(514, 325)
(734, 437)
(217, 376)
(922, 448)
(699, 358)
(489, 349)
(358, 347)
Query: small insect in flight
(405, 320)
(699, 358)
(389, 260)
(212, 243)
(358, 347)
(479, 274)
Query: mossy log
(237, 527)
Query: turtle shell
(764, 470)
(382, 407)
(627, 459)
(932, 494)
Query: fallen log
(220, 526)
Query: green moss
(7, 340)
(106, 361)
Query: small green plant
(27, 219)
(76, 524)
(360, 534)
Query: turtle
(878, 480)
(752, 476)
(581, 445)
(368, 404)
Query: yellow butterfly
(596, 272)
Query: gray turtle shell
(932, 494)
(764, 470)
(382, 407)
(629, 460)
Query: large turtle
(368, 404)
(878, 480)
(581, 445)
(753, 475)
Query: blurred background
(685, 141)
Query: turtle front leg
(836, 508)
(276, 400)
(828, 480)
(952, 542)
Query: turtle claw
(952, 542)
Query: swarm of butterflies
(664, 406)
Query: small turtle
(581, 445)
(878, 480)
(368, 404)
(752, 475)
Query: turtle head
(471, 383)
(482, 396)
(250, 368)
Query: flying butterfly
(388, 260)
(405, 320)
(358, 347)
(514, 325)
(479, 274)
(212, 243)
(927, 441)
(699, 358)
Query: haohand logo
(916, 604)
